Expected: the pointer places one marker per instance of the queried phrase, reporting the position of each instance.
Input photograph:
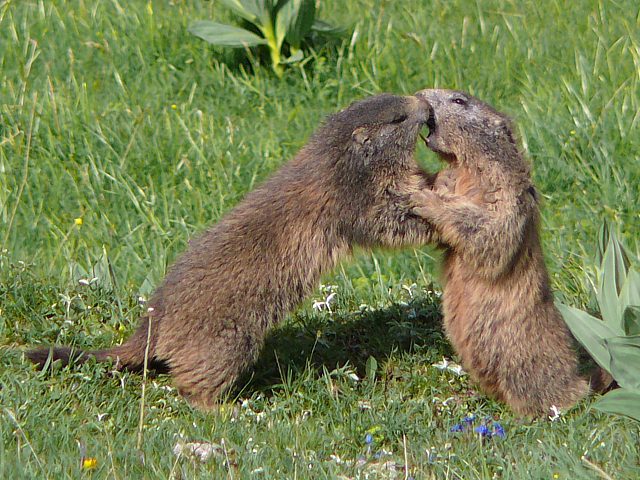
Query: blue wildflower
(368, 439)
(483, 430)
(470, 419)
(498, 430)
(458, 427)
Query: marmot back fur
(348, 186)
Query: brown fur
(348, 186)
(498, 306)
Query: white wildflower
(201, 451)
(326, 304)
(442, 365)
(450, 366)
(556, 413)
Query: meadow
(122, 136)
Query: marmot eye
(459, 101)
(399, 119)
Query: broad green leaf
(607, 291)
(633, 285)
(257, 12)
(226, 35)
(605, 235)
(631, 320)
(630, 294)
(613, 273)
(625, 360)
(623, 264)
(621, 402)
(294, 58)
(325, 28)
(289, 7)
(603, 241)
(294, 21)
(590, 332)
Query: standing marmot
(349, 185)
(498, 306)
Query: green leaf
(294, 21)
(325, 28)
(370, 368)
(257, 12)
(630, 294)
(225, 35)
(625, 360)
(631, 320)
(296, 57)
(103, 271)
(603, 240)
(590, 332)
(620, 402)
(613, 274)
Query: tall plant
(278, 25)
(614, 340)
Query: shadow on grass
(318, 340)
(329, 341)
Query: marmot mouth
(431, 122)
(431, 125)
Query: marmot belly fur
(498, 307)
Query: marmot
(498, 306)
(348, 186)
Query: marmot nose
(428, 95)
(426, 111)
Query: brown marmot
(348, 186)
(498, 307)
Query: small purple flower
(488, 429)
(470, 419)
(368, 439)
(458, 427)
(498, 430)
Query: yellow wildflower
(78, 221)
(89, 463)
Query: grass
(112, 113)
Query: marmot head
(382, 129)
(463, 128)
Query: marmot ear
(360, 135)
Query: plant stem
(274, 49)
